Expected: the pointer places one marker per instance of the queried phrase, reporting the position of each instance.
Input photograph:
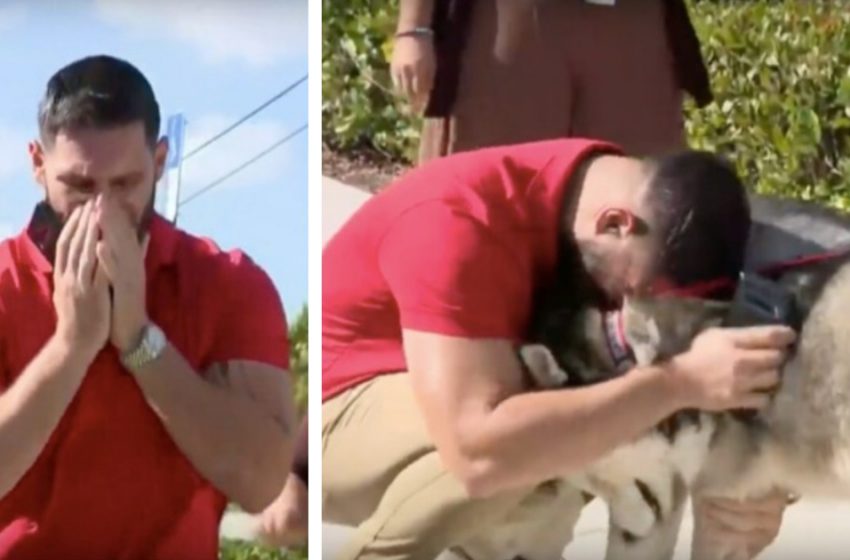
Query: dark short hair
(100, 92)
(703, 211)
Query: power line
(236, 170)
(271, 100)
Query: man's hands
(413, 67)
(747, 527)
(731, 368)
(98, 247)
(81, 294)
(122, 258)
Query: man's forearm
(232, 442)
(531, 437)
(31, 408)
(414, 13)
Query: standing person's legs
(382, 474)
(514, 84)
(625, 86)
(578, 69)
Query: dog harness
(618, 345)
(759, 298)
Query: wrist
(133, 337)
(415, 32)
(152, 343)
(70, 352)
(671, 386)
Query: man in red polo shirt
(429, 434)
(143, 379)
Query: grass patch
(241, 550)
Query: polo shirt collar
(162, 250)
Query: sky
(211, 60)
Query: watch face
(152, 345)
(154, 340)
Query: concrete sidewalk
(339, 201)
(809, 530)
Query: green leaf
(843, 93)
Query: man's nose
(108, 198)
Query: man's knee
(370, 434)
(426, 511)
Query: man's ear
(39, 173)
(618, 221)
(542, 366)
(160, 157)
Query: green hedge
(780, 72)
(238, 550)
(781, 75)
(298, 357)
(359, 108)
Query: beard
(46, 224)
(146, 218)
(593, 261)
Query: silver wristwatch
(149, 348)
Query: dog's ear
(668, 324)
(693, 315)
(640, 321)
(542, 366)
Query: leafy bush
(359, 108)
(780, 72)
(298, 357)
(781, 77)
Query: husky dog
(801, 441)
(797, 443)
(645, 483)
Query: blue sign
(176, 131)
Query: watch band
(150, 347)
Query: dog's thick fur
(800, 443)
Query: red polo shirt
(111, 483)
(454, 247)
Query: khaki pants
(382, 474)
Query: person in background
(143, 370)
(499, 72)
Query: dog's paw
(630, 511)
(542, 366)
